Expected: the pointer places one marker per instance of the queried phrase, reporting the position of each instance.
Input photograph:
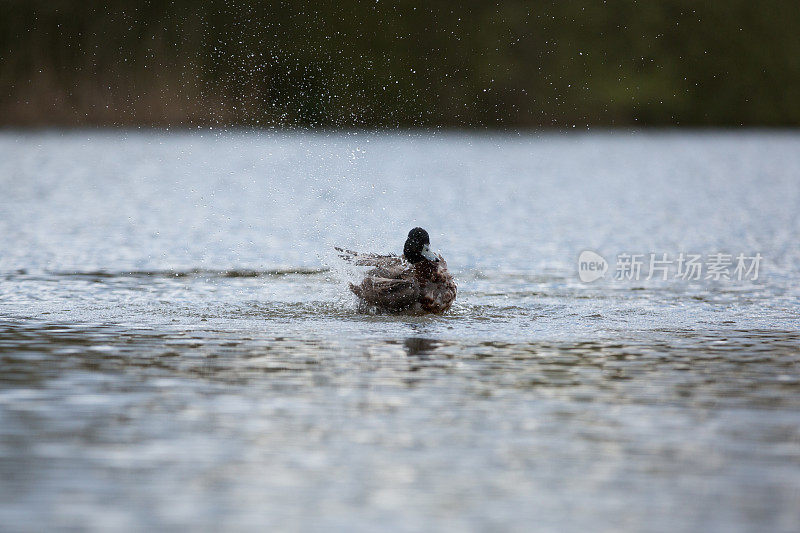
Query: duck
(416, 282)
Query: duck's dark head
(417, 247)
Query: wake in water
(192, 273)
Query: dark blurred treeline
(384, 63)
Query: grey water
(178, 347)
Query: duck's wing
(374, 260)
(393, 288)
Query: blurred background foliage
(510, 63)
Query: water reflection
(418, 346)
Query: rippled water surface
(178, 348)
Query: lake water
(178, 348)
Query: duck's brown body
(396, 285)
